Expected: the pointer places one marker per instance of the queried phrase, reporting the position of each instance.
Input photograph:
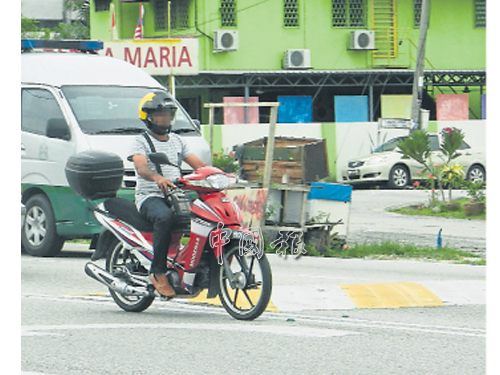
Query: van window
(113, 109)
(38, 107)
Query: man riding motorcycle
(157, 110)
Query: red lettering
(150, 58)
(185, 58)
(109, 52)
(173, 56)
(137, 57)
(164, 53)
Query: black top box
(95, 174)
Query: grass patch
(391, 250)
(444, 211)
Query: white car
(387, 165)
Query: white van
(71, 102)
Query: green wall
(452, 42)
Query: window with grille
(291, 13)
(102, 5)
(417, 12)
(227, 13)
(480, 13)
(348, 13)
(179, 14)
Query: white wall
(352, 139)
(359, 139)
(474, 130)
(233, 135)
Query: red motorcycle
(209, 247)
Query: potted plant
(475, 190)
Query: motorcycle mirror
(161, 158)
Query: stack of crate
(295, 160)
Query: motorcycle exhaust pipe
(114, 283)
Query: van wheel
(38, 235)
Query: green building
(320, 49)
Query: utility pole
(418, 78)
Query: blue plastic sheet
(330, 192)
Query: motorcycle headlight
(220, 181)
(216, 181)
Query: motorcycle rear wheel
(251, 291)
(118, 257)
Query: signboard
(252, 204)
(452, 107)
(351, 108)
(295, 109)
(157, 56)
(395, 123)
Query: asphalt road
(330, 316)
(70, 325)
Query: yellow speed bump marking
(241, 302)
(390, 295)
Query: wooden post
(211, 128)
(270, 148)
(272, 126)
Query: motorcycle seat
(126, 211)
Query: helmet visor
(165, 111)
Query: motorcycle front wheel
(119, 257)
(248, 295)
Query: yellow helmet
(152, 102)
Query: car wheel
(399, 177)
(38, 235)
(476, 173)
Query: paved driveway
(370, 222)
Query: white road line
(326, 322)
(255, 328)
(373, 324)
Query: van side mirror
(58, 128)
(197, 123)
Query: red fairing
(217, 207)
(201, 173)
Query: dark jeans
(156, 210)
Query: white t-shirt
(174, 147)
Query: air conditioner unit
(297, 59)
(225, 40)
(363, 40)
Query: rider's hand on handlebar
(164, 183)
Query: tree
(76, 29)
